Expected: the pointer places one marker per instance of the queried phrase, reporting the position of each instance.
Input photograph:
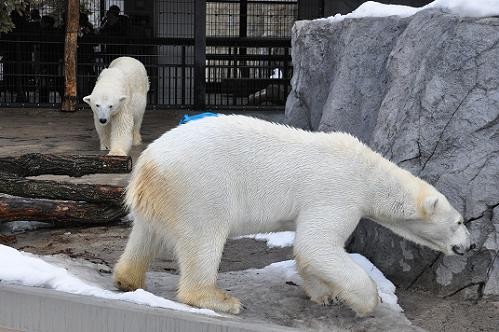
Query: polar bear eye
(97, 105)
(110, 106)
(459, 222)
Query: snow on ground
(20, 226)
(274, 240)
(27, 269)
(465, 8)
(386, 289)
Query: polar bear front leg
(121, 137)
(318, 291)
(103, 133)
(137, 138)
(130, 271)
(319, 251)
(199, 256)
(140, 105)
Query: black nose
(102, 121)
(456, 250)
(473, 246)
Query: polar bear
(225, 176)
(118, 101)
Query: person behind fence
(86, 56)
(51, 54)
(34, 17)
(18, 58)
(114, 25)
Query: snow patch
(23, 226)
(386, 289)
(274, 240)
(276, 73)
(465, 8)
(29, 270)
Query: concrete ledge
(44, 310)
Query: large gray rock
(424, 92)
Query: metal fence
(246, 59)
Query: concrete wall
(42, 310)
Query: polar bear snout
(461, 250)
(462, 242)
(103, 120)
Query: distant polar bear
(118, 101)
(225, 176)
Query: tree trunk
(18, 186)
(70, 52)
(57, 212)
(34, 164)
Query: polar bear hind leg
(198, 258)
(157, 199)
(143, 244)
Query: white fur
(119, 97)
(233, 175)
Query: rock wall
(424, 92)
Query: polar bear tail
(147, 192)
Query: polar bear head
(430, 220)
(104, 106)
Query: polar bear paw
(324, 299)
(117, 152)
(126, 278)
(318, 291)
(137, 139)
(210, 298)
(362, 302)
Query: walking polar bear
(118, 101)
(225, 176)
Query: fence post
(70, 48)
(243, 33)
(199, 54)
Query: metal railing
(244, 65)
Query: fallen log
(57, 212)
(14, 185)
(8, 239)
(33, 164)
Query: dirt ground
(23, 131)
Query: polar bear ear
(430, 204)
(123, 98)
(87, 99)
